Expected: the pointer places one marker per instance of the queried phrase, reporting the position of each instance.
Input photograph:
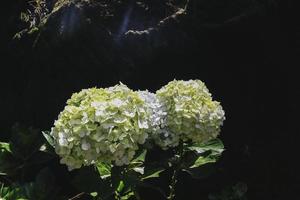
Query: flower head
(101, 125)
(192, 114)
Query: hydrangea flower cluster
(101, 125)
(108, 124)
(192, 114)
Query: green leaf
(127, 195)
(120, 186)
(93, 194)
(139, 170)
(152, 173)
(137, 163)
(104, 170)
(5, 146)
(206, 152)
(49, 138)
(141, 157)
(13, 192)
(8, 164)
(203, 160)
(215, 145)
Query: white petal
(62, 142)
(117, 102)
(61, 135)
(143, 124)
(85, 146)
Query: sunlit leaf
(5, 146)
(104, 170)
(127, 195)
(141, 157)
(8, 164)
(215, 145)
(49, 138)
(206, 152)
(93, 194)
(139, 170)
(203, 160)
(120, 186)
(152, 173)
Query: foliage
(103, 181)
(43, 14)
(24, 173)
(113, 182)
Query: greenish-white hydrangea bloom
(156, 111)
(191, 113)
(158, 121)
(101, 125)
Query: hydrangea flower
(156, 111)
(107, 125)
(101, 125)
(192, 114)
(158, 121)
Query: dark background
(244, 53)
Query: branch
(77, 196)
(174, 17)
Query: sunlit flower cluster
(110, 124)
(101, 125)
(192, 114)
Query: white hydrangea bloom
(107, 125)
(192, 114)
(156, 111)
(104, 125)
(158, 121)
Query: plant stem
(173, 185)
(177, 166)
(77, 196)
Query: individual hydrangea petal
(85, 145)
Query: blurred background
(242, 50)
